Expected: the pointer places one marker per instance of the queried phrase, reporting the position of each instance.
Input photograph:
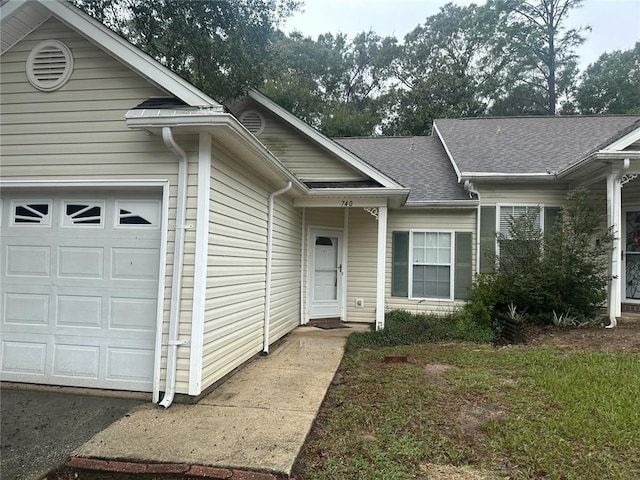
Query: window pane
(431, 282)
(418, 255)
(432, 255)
(431, 240)
(444, 240)
(444, 256)
(418, 239)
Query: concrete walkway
(257, 420)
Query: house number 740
(347, 203)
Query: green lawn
(471, 411)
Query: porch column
(614, 199)
(380, 268)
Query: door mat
(331, 326)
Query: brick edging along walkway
(210, 473)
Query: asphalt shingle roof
(418, 163)
(528, 144)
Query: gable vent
(49, 65)
(253, 121)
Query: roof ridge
(546, 117)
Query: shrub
(564, 271)
(405, 328)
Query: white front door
(326, 272)
(631, 248)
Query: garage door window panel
(31, 213)
(83, 214)
(138, 214)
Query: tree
(219, 46)
(335, 84)
(449, 67)
(611, 84)
(546, 66)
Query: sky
(615, 23)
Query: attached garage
(79, 275)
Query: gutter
(178, 263)
(267, 294)
(523, 177)
(602, 155)
(443, 204)
(196, 121)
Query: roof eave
(601, 155)
(359, 192)
(502, 176)
(323, 141)
(207, 121)
(443, 204)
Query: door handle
(340, 268)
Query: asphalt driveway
(39, 429)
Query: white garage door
(79, 286)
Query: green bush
(565, 272)
(405, 328)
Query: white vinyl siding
(285, 269)
(236, 266)
(304, 158)
(78, 133)
(522, 194)
(449, 220)
(431, 265)
(361, 265)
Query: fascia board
(199, 121)
(472, 176)
(446, 149)
(129, 54)
(444, 204)
(9, 8)
(357, 192)
(625, 141)
(602, 155)
(323, 141)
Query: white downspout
(178, 261)
(469, 187)
(303, 298)
(267, 287)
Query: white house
(153, 239)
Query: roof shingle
(419, 163)
(527, 144)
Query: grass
(471, 411)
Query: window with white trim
(509, 213)
(431, 265)
(514, 254)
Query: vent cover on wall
(253, 121)
(49, 65)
